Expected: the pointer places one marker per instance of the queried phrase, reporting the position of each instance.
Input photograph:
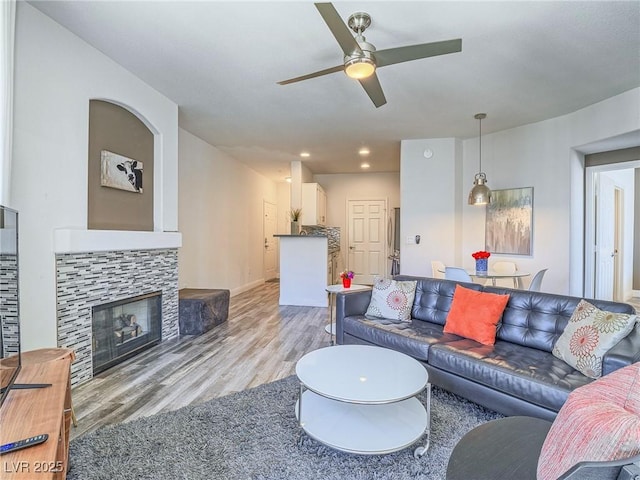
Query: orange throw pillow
(475, 315)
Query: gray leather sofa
(517, 376)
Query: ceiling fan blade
(373, 88)
(415, 52)
(326, 71)
(338, 28)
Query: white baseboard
(246, 288)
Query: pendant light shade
(480, 194)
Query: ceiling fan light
(359, 67)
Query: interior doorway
(269, 228)
(618, 245)
(609, 230)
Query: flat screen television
(9, 304)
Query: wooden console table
(27, 413)
(47, 355)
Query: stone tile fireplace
(9, 343)
(89, 280)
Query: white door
(605, 234)
(618, 235)
(269, 226)
(366, 239)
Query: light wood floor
(261, 342)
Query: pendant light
(480, 194)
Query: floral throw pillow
(590, 334)
(392, 299)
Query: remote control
(27, 442)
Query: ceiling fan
(361, 59)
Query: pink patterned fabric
(599, 422)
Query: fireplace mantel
(79, 241)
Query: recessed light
(364, 151)
(287, 179)
(364, 165)
(305, 154)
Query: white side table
(333, 290)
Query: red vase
(346, 282)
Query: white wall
(541, 155)
(284, 207)
(431, 204)
(7, 49)
(357, 186)
(56, 75)
(220, 218)
(615, 116)
(535, 156)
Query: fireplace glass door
(125, 327)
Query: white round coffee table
(361, 399)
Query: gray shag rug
(254, 435)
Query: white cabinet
(314, 204)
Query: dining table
(494, 275)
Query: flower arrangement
(347, 274)
(481, 254)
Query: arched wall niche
(120, 194)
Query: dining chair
(506, 267)
(536, 281)
(457, 273)
(437, 269)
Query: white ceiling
(521, 62)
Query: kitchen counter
(333, 248)
(303, 270)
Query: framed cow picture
(120, 172)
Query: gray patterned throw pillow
(392, 299)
